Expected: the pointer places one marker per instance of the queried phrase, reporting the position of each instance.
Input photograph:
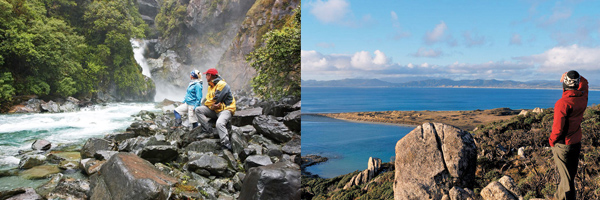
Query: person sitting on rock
(565, 138)
(192, 100)
(219, 104)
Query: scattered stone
(271, 128)
(293, 147)
(277, 181)
(245, 117)
(91, 165)
(40, 172)
(56, 157)
(70, 188)
(68, 165)
(208, 164)
(41, 145)
(93, 145)
(237, 142)
(20, 194)
(292, 120)
(495, 191)
(257, 161)
(457, 193)
(30, 161)
(159, 153)
(206, 145)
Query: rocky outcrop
(94, 145)
(277, 181)
(30, 161)
(503, 189)
(271, 128)
(432, 159)
(35, 105)
(127, 176)
(373, 168)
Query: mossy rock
(56, 156)
(40, 172)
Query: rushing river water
(19, 131)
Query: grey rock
(271, 128)
(94, 145)
(274, 151)
(29, 161)
(245, 117)
(127, 176)
(20, 194)
(237, 142)
(257, 161)
(91, 165)
(104, 155)
(41, 145)
(212, 164)
(47, 187)
(206, 145)
(277, 181)
(292, 120)
(51, 107)
(159, 153)
(293, 147)
(445, 156)
(70, 188)
(68, 107)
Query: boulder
(104, 155)
(40, 172)
(293, 147)
(444, 156)
(118, 137)
(245, 117)
(91, 165)
(297, 106)
(159, 153)
(373, 168)
(257, 161)
(277, 181)
(68, 106)
(523, 113)
(127, 176)
(273, 151)
(30, 161)
(142, 129)
(94, 145)
(34, 105)
(70, 188)
(206, 145)
(138, 143)
(41, 145)
(57, 156)
(457, 193)
(208, 163)
(20, 194)
(292, 120)
(237, 142)
(271, 128)
(496, 191)
(537, 110)
(68, 164)
(51, 107)
(277, 109)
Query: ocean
(350, 144)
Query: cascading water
(139, 46)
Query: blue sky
(414, 40)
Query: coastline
(466, 120)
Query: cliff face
(203, 34)
(265, 15)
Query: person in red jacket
(565, 138)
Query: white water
(18, 131)
(139, 46)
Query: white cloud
(330, 11)
(564, 58)
(364, 60)
(436, 34)
(326, 45)
(422, 52)
(399, 33)
(515, 39)
(394, 16)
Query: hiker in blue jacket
(193, 99)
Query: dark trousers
(566, 158)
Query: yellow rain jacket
(219, 92)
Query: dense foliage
(59, 48)
(277, 62)
(317, 188)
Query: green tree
(6, 89)
(277, 62)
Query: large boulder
(127, 176)
(238, 143)
(51, 107)
(293, 147)
(245, 117)
(277, 181)
(93, 145)
(257, 161)
(41, 145)
(373, 168)
(432, 159)
(271, 128)
(70, 188)
(206, 145)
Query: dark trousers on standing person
(566, 158)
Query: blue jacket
(193, 96)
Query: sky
(400, 41)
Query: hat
(571, 80)
(195, 73)
(212, 71)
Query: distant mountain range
(479, 83)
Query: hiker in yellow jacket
(219, 104)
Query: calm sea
(349, 145)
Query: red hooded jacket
(568, 114)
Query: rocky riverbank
(151, 161)
(466, 120)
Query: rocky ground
(505, 159)
(152, 161)
(466, 120)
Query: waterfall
(139, 46)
